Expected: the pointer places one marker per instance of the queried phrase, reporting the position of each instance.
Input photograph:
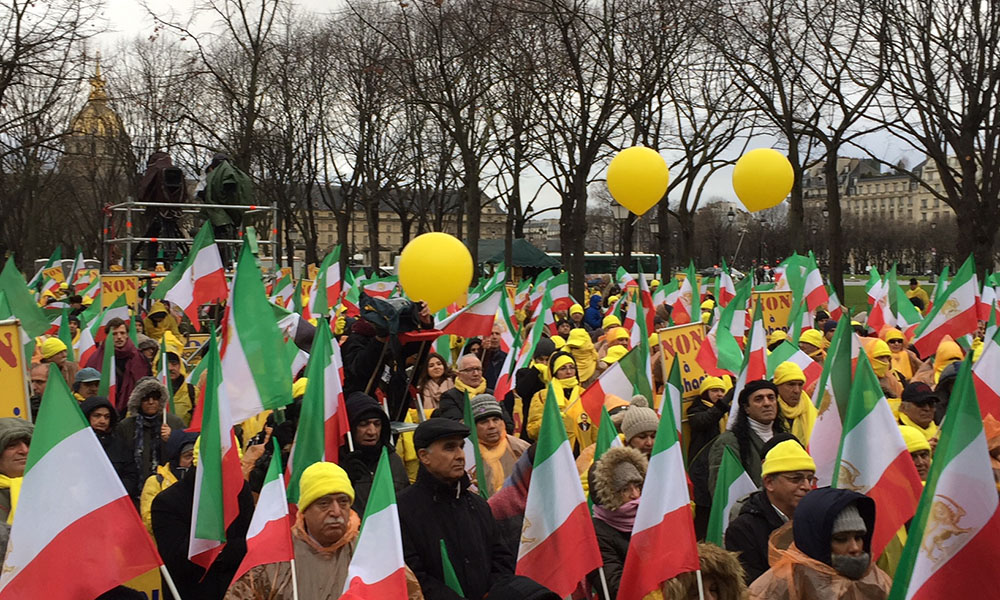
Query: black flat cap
(434, 429)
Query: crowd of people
(788, 539)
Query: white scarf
(764, 432)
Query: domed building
(96, 141)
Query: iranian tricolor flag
(323, 421)
(725, 289)
(643, 308)
(986, 375)
(814, 291)
(720, 353)
(683, 307)
(666, 293)
(789, 352)
(510, 366)
(377, 570)
(625, 279)
(85, 346)
(732, 484)
(556, 519)
(77, 272)
(476, 319)
(76, 533)
(380, 287)
(624, 379)
(663, 543)
(954, 314)
(908, 318)
(874, 286)
(873, 458)
(833, 306)
(880, 314)
(252, 380)
(831, 397)
(954, 538)
(325, 292)
(269, 538)
(558, 288)
(218, 478)
(202, 277)
(283, 291)
(109, 376)
(754, 361)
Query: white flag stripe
(271, 506)
(669, 495)
(861, 441)
(376, 556)
(548, 512)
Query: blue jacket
(594, 316)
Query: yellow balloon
(638, 178)
(436, 268)
(762, 178)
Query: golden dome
(96, 118)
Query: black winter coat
(749, 532)
(431, 511)
(361, 464)
(614, 547)
(453, 407)
(492, 365)
(704, 422)
(171, 518)
(119, 453)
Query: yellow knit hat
(51, 347)
(893, 334)
(787, 456)
(654, 339)
(561, 361)
(610, 321)
(299, 387)
(776, 336)
(814, 337)
(708, 304)
(576, 309)
(320, 479)
(914, 439)
(618, 333)
(711, 383)
(788, 371)
(578, 338)
(612, 300)
(880, 349)
(558, 341)
(654, 283)
(615, 354)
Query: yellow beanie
(787, 456)
(880, 349)
(561, 361)
(914, 439)
(299, 387)
(814, 337)
(320, 479)
(576, 309)
(654, 339)
(610, 321)
(615, 353)
(578, 338)
(708, 304)
(654, 283)
(711, 383)
(51, 347)
(618, 333)
(776, 336)
(612, 300)
(558, 341)
(893, 334)
(788, 371)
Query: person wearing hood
(915, 291)
(86, 383)
(103, 419)
(904, 361)
(616, 486)
(143, 430)
(948, 351)
(15, 439)
(566, 387)
(148, 347)
(370, 432)
(130, 364)
(577, 319)
(179, 453)
(594, 315)
(54, 351)
(324, 537)
(880, 357)
(721, 573)
(812, 342)
(498, 449)
(185, 395)
(916, 409)
(159, 320)
(830, 557)
(756, 422)
(439, 509)
(584, 354)
(789, 473)
(796, 407)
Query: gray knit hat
(485, 405)
(639, 419)
(13, 429)
(849, 519)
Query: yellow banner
(682, 342)
(148, 583)
(55, 273)
(13, 402)
(776, 307)
(113, 286)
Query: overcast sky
(127, 18)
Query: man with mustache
(324, 536)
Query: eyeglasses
(895, 341)
(799, 478)
(471, 370)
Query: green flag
(473, 441)
(450, 578)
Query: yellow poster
(113, 286)
(148, 583)
(14, 401)
(776, 307)
(55, 273)
(683, 342)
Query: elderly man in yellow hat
(54, 351)
(789, 473)
(576, 320)
(812, 342)
(324, 536)
(796, 406)
(919, 449)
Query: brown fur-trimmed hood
(720, 565)
(601, 480)
(142, 389)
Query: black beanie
(753, 386)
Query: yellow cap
(776, 336)
(618, 333)
(612, 300)
(788, 371)
(787, 456)
(615, 353)
(320, 479)
(576, 309)
(892, 334)
(654, 283)
(708, 304)
(880, 349)
(559, 341)
(299, 387)
(711, 383)
(914, 439)
(654, 339)
(610, 321)
(578, 338)
(51, 347)
(561, 361)
(814, 337)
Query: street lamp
(620, 214)
(826, 213)
(731, 215)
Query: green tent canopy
(523, 254)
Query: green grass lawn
(857, 300)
